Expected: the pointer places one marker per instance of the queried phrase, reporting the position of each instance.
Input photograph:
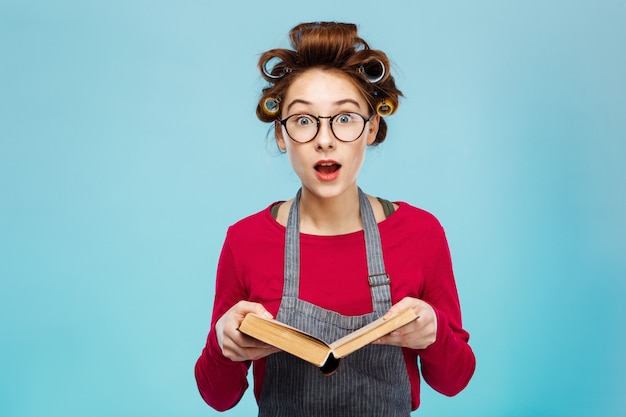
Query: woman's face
(326, 166)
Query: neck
(330, 216)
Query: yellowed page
(286, 338)
(370, 333)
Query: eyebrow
(338, 103)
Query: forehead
(321, 86)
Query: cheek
(294, 159)
(358, 157)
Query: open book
(311, 349)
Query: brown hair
(329, 45)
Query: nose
(325, 138)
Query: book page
(286, 338)
(371, 332)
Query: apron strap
(379, 280)
(292, 253)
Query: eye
(303, 120)
(344, 118)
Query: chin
(328, 191)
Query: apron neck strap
(378, 279)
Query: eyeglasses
(347, 127)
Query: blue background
(128, 144)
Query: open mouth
(327, 168)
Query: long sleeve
(417, 258)
(449, 363)
(222, 382)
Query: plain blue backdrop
(128, 144)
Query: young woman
(333, 259)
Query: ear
(373, 129)
(278, 134)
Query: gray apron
(372, 381)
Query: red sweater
(333, 276)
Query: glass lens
(347, 126)
(301, 127)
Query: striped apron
(372, 381)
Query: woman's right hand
(235, 345)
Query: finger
(245, 307)
(390, 339)
(256, 350)
(255, 354)
(409, 335)
(247, 350)
(249, 342)
(400, 306)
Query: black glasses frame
(283, 122)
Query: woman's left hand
(418, 334)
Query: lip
(327, 169)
